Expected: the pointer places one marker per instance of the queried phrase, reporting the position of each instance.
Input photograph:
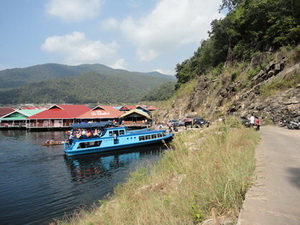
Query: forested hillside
(250, 64)
(251, 27)
(11, 78)
(161, 93)
(72, 84)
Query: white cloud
(74, 10)
(119, 64)
(77, 49)
(168, 72)
(171, 24)
(5, 67)
(146, 55)
(109, 24)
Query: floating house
(5, 110)
(136, 117)
(152, 108)
(127, 108)
(101, 114)
(18, 118)
(57, 116)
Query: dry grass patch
(186, 183)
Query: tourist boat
(109, 138)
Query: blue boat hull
(115, 139)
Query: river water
(39, 184)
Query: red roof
(152, 108)
(33, 107)
(5, 110)
(101, 112)
(61, 112)
(127, 107)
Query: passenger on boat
(95, 134)
(88, 134)
(71, 136)
(100, 133)
(83, 135)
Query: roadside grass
(279, 84)
(204, 169)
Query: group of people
(83, 133)
(255, 122)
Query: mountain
(161, 93)
(76, 84)
(12, 78)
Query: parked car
(173, 122)
(245, 121)
(200, 122)
(187, 122)
(176, 123)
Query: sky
(135, 35)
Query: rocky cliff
(268, 87)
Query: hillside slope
(77, 84)
(12, 78)
(268, 86)
(87, 88)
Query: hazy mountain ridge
(76, 84)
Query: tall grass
(204, 169)
(279, 84)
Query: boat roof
(91, 125)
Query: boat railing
(14, 124)
(46, 125)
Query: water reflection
(89, 167)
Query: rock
(270, 74)
(222, 95)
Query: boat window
(89, 144)
(122, 132)
(110, 133)
(159, 135)
(148, 137)
(142, 138)
(153, 136)
(116, 132)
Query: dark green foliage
(11, 78)
(229, 4)
(251, 26)
(161, 93)
(108, 86)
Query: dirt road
(274, 199)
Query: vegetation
(251, 26)
(279, 84)
(106, 85)
(203, 170)
(12, 78)
(161, 93)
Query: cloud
(77, 49)
(170, 25)
(109, 24)
(74, 10)
(119, 64)
(5, 67)
(168, 72)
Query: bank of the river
(206, 170)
